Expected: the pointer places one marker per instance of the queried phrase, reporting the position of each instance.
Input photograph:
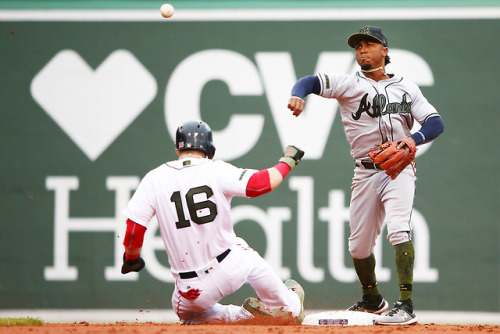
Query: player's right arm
(303, 87)
(134, 238)
(139, 212)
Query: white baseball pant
(376, 198)
(242, 264)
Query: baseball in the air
(167, 10)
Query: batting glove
(132, 265)
(292, 156)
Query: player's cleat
(256, 306)
(297, 288)
(376, 306)
(401, 314)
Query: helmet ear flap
(210, 150)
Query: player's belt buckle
(193, 274)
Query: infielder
(377, 107)
(191, 199)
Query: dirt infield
(256, 326)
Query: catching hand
(394, 156)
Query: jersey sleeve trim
(324, 81)
(431, 115)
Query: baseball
(167, 10)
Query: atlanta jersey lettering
(374, 112)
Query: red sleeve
(283, 168)
(134, 237)
(259, 184)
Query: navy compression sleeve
(429, 131)
(305, 86)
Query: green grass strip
(20, 322)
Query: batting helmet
(195, 135)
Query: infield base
(340, 318)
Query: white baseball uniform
(191, 199)
(374, 112)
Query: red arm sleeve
(260, 182)
(283, 168)
(134, 236)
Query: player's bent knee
(360, 253)
(399, 237)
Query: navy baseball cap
(370, 32)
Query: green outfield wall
(90, 101)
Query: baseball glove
(393, 157)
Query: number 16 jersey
(191, 199)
